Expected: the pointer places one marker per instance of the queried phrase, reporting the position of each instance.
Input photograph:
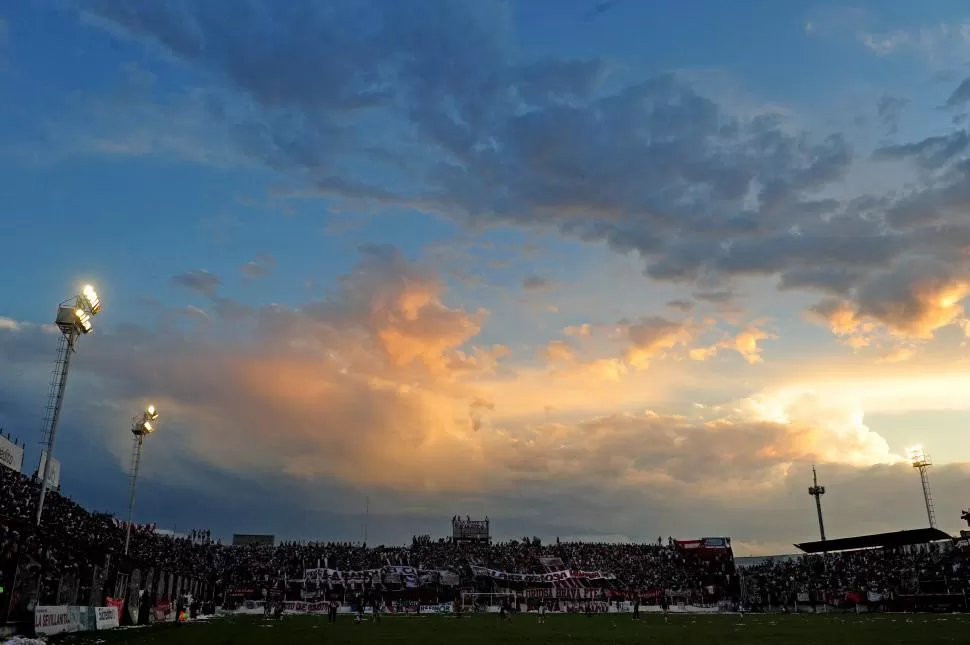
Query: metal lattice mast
(55, 400)
(141, 426)
(922, 462)
(137, 443)
(928, 496)
(817, 491)
(73, 319)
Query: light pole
(817, 491)
(141, 426)
(73, 319)
(921, 462)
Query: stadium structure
(71, 569)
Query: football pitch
(611, 629)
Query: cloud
(960, 95)
(198, 280)
(931, 153)
(745, 343)
(889, 109)
(384, 388)
(912, 300)
(535, 283)
(683, 306)
(650, 336)
(943, 45)
(654, 166)
(260, 266)
(558, 350)
(704, 192)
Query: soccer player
(636, 607)
(542, 612)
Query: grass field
(558, 629)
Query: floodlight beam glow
(91, 296)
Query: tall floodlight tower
(141, 426)
(74, 317)
(817, 491)
(921, 462)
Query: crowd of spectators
(72, 541)
(937, 568)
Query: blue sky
(541, 260)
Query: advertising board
(106, 617)
(51, 620)
(11, 455)
(55, 478)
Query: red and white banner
(118, 604)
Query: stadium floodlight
(817, 491)
(141, 427)
(921, 462)
(74, 318)
(91, 297)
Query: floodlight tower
(73, 319)
(817, 491)
(141, 426)
(921, 462)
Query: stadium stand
(75, 558)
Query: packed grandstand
(76, 558)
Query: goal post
(472, 600)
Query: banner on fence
(555, 576)
(80, 619)
(410, 577)
(106, 617)
(51, 620)
(162, 611)
(592, 575)
(117, 603)
(564, 594)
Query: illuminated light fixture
(151, 412)
(74, 318)
(147, 425)
(83, 319)
(91, 297)
(917, 456)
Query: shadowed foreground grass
(558, 629)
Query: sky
(597, 270)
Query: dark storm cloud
(199, 280)
(430, 97)
(832, 279)
(532, 141)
